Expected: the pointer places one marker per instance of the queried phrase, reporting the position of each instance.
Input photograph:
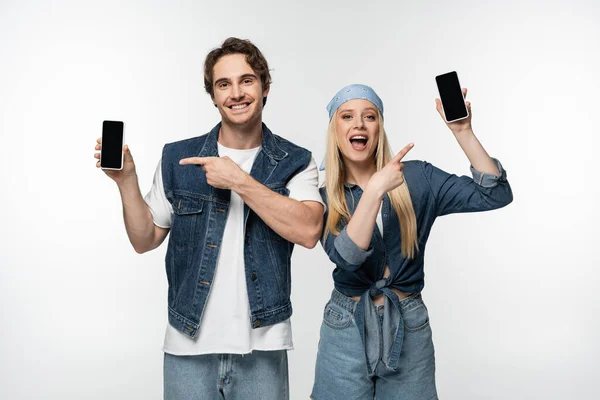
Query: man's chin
(242, 120)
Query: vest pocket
(186, 204)
(187, 210)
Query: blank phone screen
(451, 95)
(112, 144)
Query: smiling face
(238, 92)
(357, 124)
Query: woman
(375, 336)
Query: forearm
(137, 217)
(360, 227)
(289, 218)
(478, 157)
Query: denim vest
(200, 214)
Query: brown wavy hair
(233, 45)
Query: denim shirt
(200, 214)
(433, 193)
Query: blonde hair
(335, 176)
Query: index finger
(398, 157)
(194, 160)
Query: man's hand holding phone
(125, 174)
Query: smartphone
(111, 155)
(453, 101)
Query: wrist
(241, 182)
(374, 190)
(463, 132)
(127, 183)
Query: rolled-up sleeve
(454, 194)
(349, 251)
(488, 180)
(342, 251)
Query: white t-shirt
(225, 325)
(379, 220)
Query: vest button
(254, 277)
(257, 323)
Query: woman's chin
(358, 158)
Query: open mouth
(359, 142)
(239, 107)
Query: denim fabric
(360, 272)
(200, 213)
(341, 368)
(260, 375)
(433, 193)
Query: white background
(512, 294)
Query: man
(235, 201)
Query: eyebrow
(366, 109)
(241, 77)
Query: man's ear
(265, 94)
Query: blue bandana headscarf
(352, 92)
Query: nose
(237, 92)
(359, 123)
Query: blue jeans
(341, 368)
(259, 375)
